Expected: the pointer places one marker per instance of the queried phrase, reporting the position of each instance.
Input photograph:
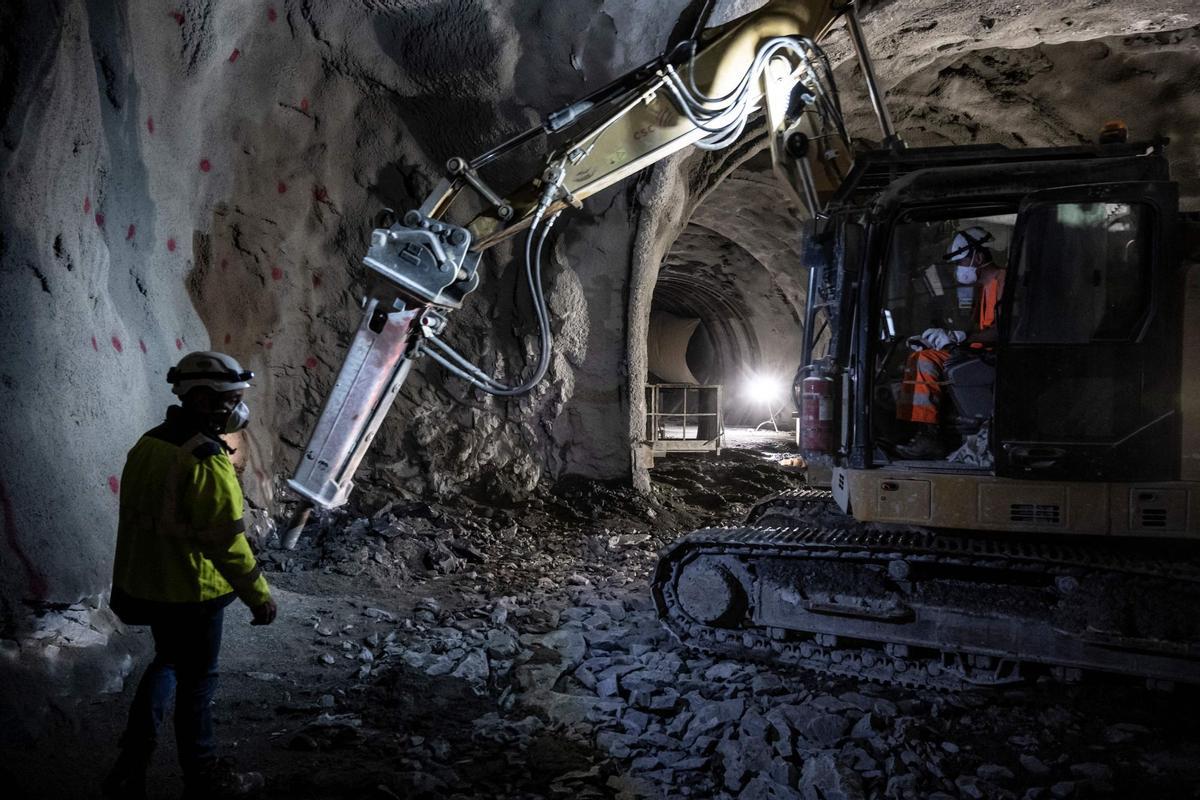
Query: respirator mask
(225, 419)
(966, 276)
(235, 419)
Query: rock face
(202, 173)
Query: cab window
(1082, 273)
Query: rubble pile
(605, 529)
(477, 648)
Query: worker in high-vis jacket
(980, 285)
(182, 557)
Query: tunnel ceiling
(750, 209)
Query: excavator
(1059, 539)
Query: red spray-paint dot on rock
(310, 363)
(234, 55)
(205, 165)
(271, 14)
(171, 245)
(178, 16)
(227, 338)
(281, 187)
(142, 345)
(87, 204)
(116, 343)
(276, 274)
(114, 485)
(178, 344)
(150, 125)
(304, 104)
(95, 345)
(129, 233)
(99, 220)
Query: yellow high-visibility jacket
(181, 536)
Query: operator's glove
(936, 339)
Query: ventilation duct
(667, 347)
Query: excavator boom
(760, 58)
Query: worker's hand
(264, 614)
(941, 339)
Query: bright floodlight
(764, 388)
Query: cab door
(1087, 383)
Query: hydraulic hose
(458, 365)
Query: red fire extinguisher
(817, 416)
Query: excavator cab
(1068, 415)
(920, 291)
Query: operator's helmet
(966, 243)
(216, 371)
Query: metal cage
(683, 417)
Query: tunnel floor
(471, 651)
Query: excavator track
(803, 584)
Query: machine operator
(922, 399)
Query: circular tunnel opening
(695, 334)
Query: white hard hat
(217, 371)
(966, 243)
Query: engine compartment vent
(1154, 518)
(1031, 513)
(1156, 509)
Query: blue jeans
(186, 645)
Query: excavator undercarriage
(802, 583)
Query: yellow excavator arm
(702, 93)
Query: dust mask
(237, 419)
(966, 276)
